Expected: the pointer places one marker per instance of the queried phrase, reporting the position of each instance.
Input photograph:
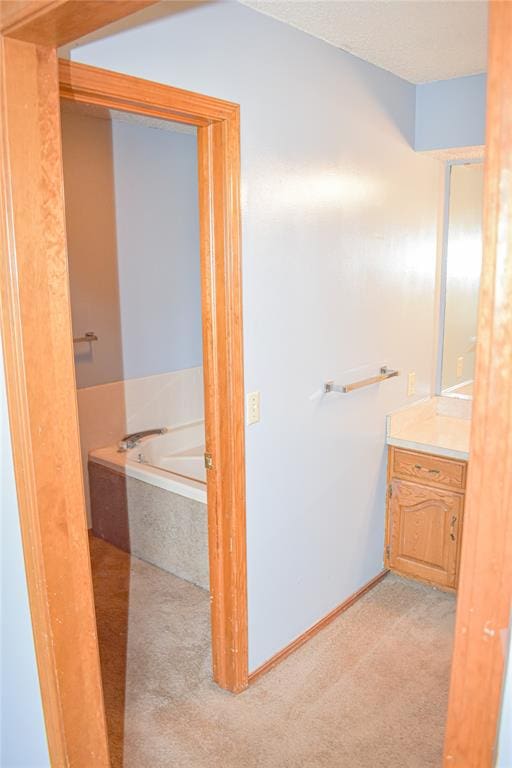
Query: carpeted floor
(369, 691)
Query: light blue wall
(339, 256)
(23, 738)
(133, 244)
(451, 113)
(155, 174)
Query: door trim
(218, 143)
(41, 399)
(485, 585)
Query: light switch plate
(253, 408)
(411, 383)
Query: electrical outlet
(253, 407)
(460, 366)
(411, 383)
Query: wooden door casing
(485, 586)
(424, 525)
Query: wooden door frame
(218, 142)
(39, 376)
(485, 584)
(37, 345)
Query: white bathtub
(173, 461)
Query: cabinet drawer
(430, 470)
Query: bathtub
(151, 500)
(173, 461)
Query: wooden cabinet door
(424, 526)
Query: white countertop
(438, 425)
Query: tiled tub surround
(156, 515)
(438, 425)
(108, 411)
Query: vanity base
(425, 507)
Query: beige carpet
(369, 691)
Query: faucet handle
(130, 441)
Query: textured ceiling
(419, 40)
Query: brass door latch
(208, 461)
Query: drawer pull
(430, 471)
(452, 527)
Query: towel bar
(385, 373)
(89, 336)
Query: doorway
(218, 179)
(50, 488)
(131, 200)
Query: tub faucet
(130, 441)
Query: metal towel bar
(385, 373)
(89, 336)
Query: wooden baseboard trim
(309, 633)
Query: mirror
(461, 283)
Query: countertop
(438, 425)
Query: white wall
(22, 735)
(339, 241)
(463, 268)
(133, 245)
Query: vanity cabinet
(425, 509)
